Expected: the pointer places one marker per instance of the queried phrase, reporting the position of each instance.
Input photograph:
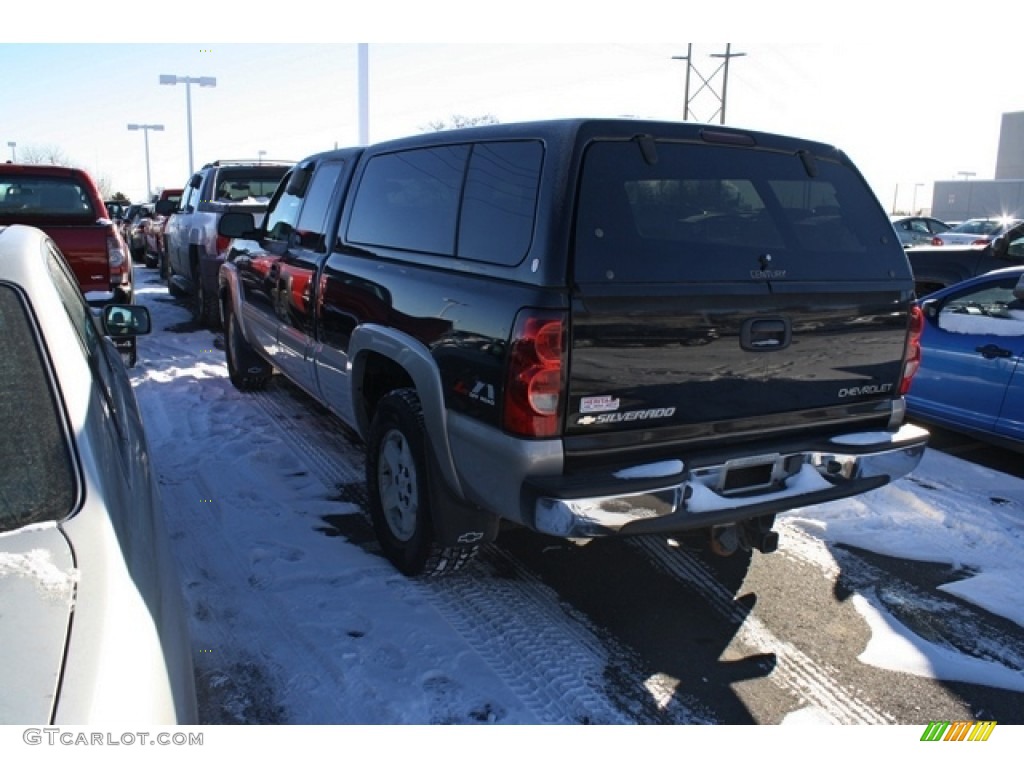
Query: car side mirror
(166, 207)
(931, 308)
(126, 320)
(237, 224)
(1015, 250)
(999, 247)
(298, 181)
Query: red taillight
(536, 374)
(981, 241)
(117, 259)
(936, 240)
(222, 244)
(912, 358)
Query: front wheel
(397, 478)
(246, 369)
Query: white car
(979, 231)
(917, 230)
(92, 620)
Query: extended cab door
(277, 275)
(291, 280)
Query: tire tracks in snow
(552, 658)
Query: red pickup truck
(67, 205)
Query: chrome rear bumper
(669, 496)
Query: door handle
(765, 334)
(991, 352)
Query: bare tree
(51, 154)
(44, 154)
(104, 185)
(460, 121)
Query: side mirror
(298, 181)
(1015, 250)
(125, 320)
(931, 308)
(998, 246)
(166, 207)
(237, 224)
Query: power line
(707, 82)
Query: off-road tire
(247, 371)
(398, 484)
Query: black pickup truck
(585, 327)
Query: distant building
(1002, 196)
(959, 200)
(1010, 159)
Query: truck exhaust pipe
(757, 534)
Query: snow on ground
(325, 632)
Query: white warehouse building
(1001, 196)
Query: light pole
(913, 204)
(145, 135)
(202, 82)
(966, 174)
(12, 145)
(260, 153)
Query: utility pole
(687, 58)
(364, 94)
(706, 82)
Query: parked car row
(372, 278)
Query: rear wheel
(206, 311)
(397, 478)
(246, 369)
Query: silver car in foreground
(92, 620)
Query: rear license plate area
(750, 474)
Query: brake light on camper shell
(535, 379)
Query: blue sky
(909, 109)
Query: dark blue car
(971, 379)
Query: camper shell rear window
(691, 211)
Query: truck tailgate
(85, 248)
(667, 355)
